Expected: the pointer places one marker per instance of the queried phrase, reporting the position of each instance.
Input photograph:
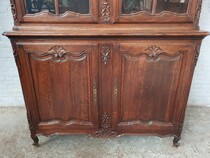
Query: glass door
(81, 11)
(155, 10)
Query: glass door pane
(77, 6)
(177, 6)
(133, 6)
(144, 11)
(154, 6)
(36, 6)
(58, 11)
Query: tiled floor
(15, 141)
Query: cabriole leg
(36, 140)
(176, 141)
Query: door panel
(65, 82)
(149, 78)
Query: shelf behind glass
(36, 6)
(133, 6)
(77, 6)
(177, 6)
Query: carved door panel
(148, 80)
(65, 83)
(138, 11)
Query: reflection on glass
(154, 6)
(132, 6)
(36, 6)
(77, 6)
(178, 6)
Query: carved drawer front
(65, 85)
(149, 80)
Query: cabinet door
(151, 85)
(57, 11)
(141, 11)
(63, 79)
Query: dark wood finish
(142, 75)
(128, 74)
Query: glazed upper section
(106, 11)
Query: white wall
(10, 89)
(200, 90)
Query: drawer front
(62, 78)
(153, 79)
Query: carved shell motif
(153, 51)
(57, 53)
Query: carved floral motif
(16, 55)
(105, 130)
(105, 121)
(115, 96)
(197, 15)
(197, 52)
(15, 51)
(105, 11)
(105, 54)
(14, 10)
(94, 92)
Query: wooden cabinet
(106, 67)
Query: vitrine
(106, 67)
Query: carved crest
(105, 50)
(153, 51)
(14, 10)
(105, 11)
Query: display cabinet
(106, 67)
